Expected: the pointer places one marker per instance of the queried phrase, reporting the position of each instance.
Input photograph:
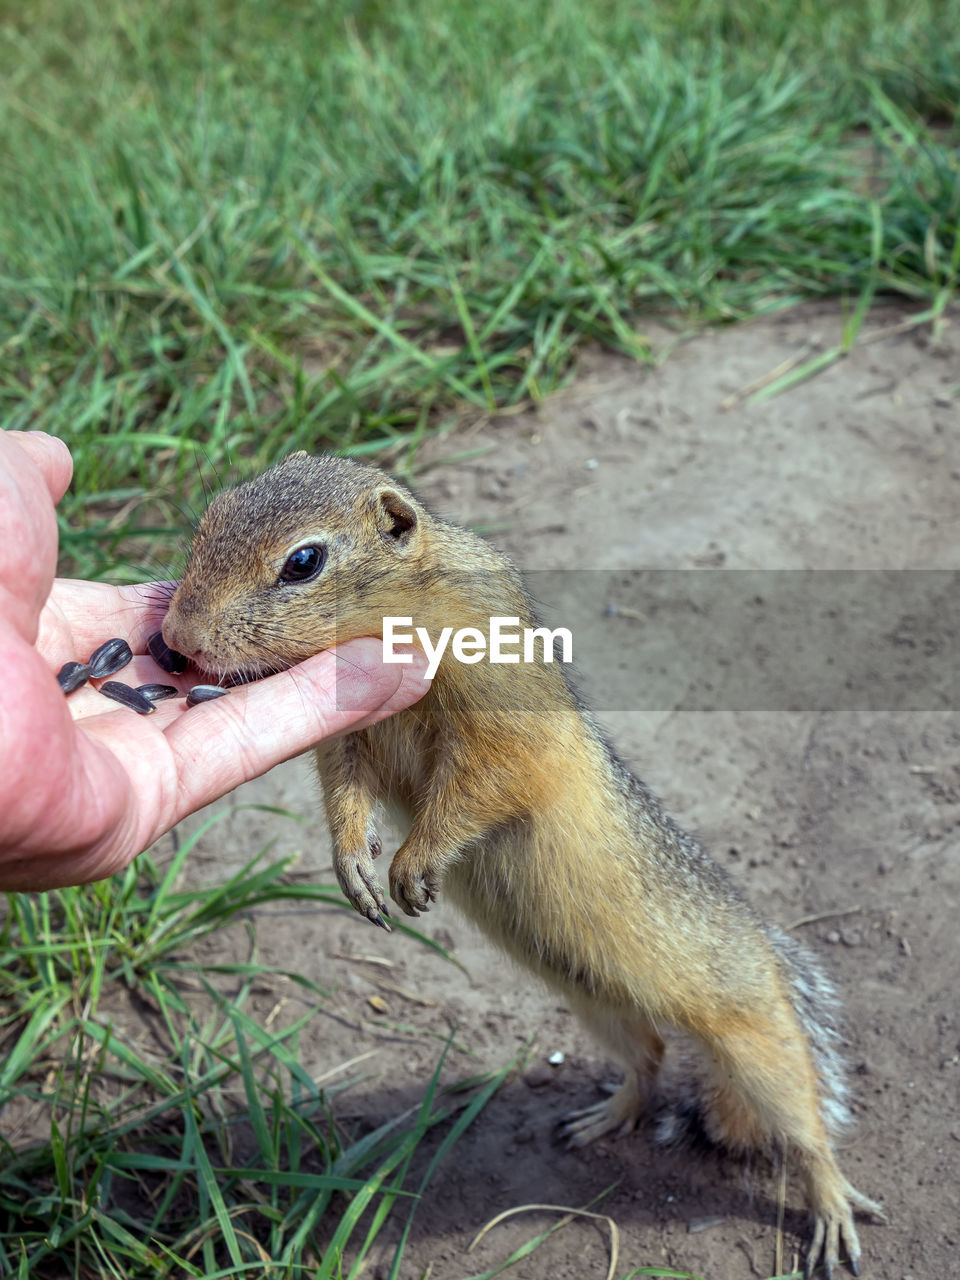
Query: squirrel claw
(412, 891)
(829, 1233)
(378, 919)
(406, 908)
(834, 1230)
(614, 1118)
(361, 886)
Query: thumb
(50, 456)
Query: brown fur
(520, 812)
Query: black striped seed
(127, 697)
(111, 657)
(157, 692)
(72, 675)
(205, 693)
(171, 661)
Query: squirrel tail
(686, 1118)
(817, 1007)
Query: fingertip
(362, 681)
(373, 688)
(367, 682)
(50, 455)
(415, 682)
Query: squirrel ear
(396, 518)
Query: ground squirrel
(520, 812)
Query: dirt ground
(845, 819)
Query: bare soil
(845, 821)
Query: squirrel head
(286, 565)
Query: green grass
(233, 229)
(153, 1126)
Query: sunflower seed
(165, 657)
(156, 692)
(204, 693)
(128, 697)
(111, 657)
(72, 675)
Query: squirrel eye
(303, 564)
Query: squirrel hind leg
(762, 1093)
(636, 1043)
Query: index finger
(218, 745)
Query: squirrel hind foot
(829, 1232)
(615, 1117)
(682, 1124)
(834, 1201)
(833, 1228)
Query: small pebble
(171, 661)
(156, 692)
(555, 1059)
(127, 697)
(112, 656)
(72, 675)
(205, 693)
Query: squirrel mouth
(247, 674)
(251, 672)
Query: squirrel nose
(180, 632)
(175, 638)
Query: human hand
(86, 786)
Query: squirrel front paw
(412, 889)
(361, 884)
